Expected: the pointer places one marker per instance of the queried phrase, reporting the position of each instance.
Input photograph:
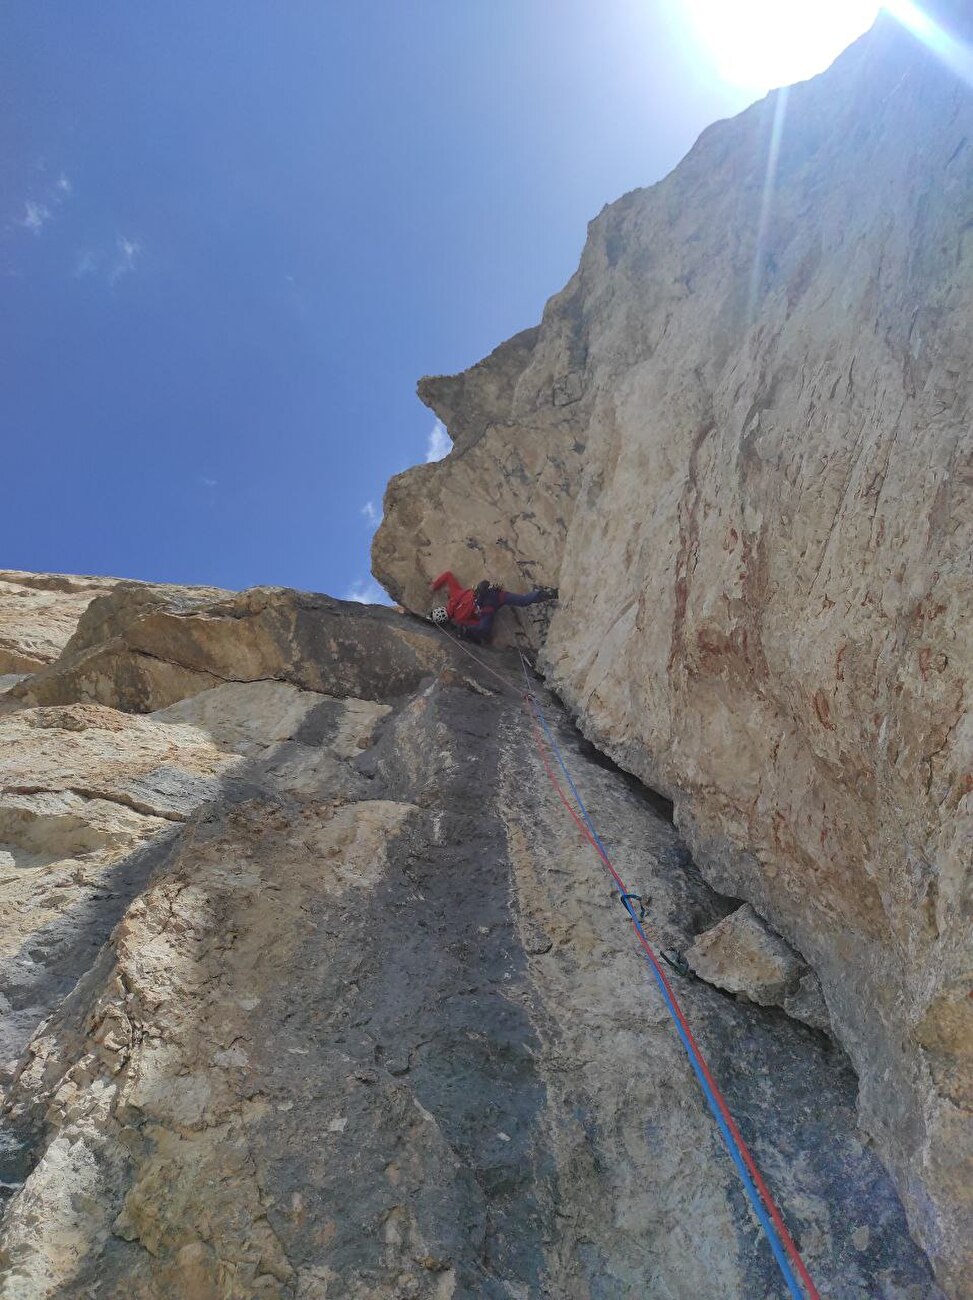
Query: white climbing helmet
(439, 616)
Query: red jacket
(461, 606)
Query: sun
(758, 44)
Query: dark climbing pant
(483, 630)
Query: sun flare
(758, 44)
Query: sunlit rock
(38, 613)
(739, 442)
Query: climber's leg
(529, 597)
(482, 630)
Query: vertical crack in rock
(619, 1082)
(747, 470)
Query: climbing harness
(781, 1243)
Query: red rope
(744, 1151)
(768, 1200)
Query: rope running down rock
(770, 1217)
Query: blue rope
(557, 753)
(735, 1156)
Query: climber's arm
(446, 580)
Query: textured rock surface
(745, 423)
(741, 955)
(500, 509)
(38, 613)
(341, 1006)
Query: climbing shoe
(548, 593)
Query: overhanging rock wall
(740, 441)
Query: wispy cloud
(35, 216)
(366, 591)
(208, 482)
(440, 444)
(372, 515)
(108, 264)
(126, 254)
(37, 212)
(87, 264)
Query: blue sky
(234, 234)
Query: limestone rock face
(499, 504)
(38, 613)
(739, 442)
(309, 989)
(743, 956)
(143, 649)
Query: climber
(470, 612)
